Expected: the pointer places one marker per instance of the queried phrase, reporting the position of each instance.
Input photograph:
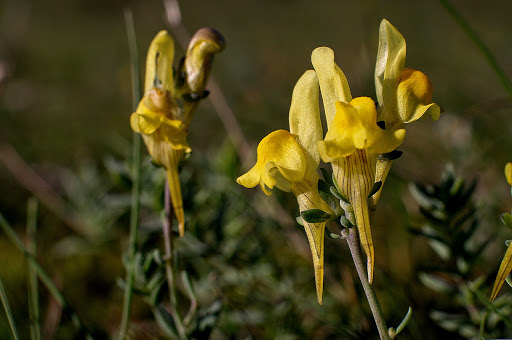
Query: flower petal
(204, 44)
(304, 117)
(175, 133)
(333, 83)
(159, 71)
(388, 69)
(508, 172)
(354, 127)
(414, 95)
(281, 160)
(388, 141)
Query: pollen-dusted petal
(414, 95)
(159, 63)
(508, 173)
(333, 83)
(388, 69)
(304, 116)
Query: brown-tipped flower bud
(205, 43)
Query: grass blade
(5, 303)
(33, 294)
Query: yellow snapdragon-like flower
(352, 143)
(508, 173)
(404, 94)
(289, 160)
(164, 113)
(159, 119)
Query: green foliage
(451, 223)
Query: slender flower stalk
(353, 243)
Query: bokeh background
(65, 102)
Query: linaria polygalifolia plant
(360, 144)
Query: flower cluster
(358, 143)
(170, 100)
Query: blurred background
(65, 102)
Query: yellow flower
(158, 118)
(508, 173)
(404, 94)
(164, 113)
(289, 160)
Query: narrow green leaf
(324, 189)
(327, 177)
(299, 220)
(506, 219)
(334, 236)
(346, 222)
(315, 216)
(402, 324)
(5, 303)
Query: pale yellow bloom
(164, 113)
(158, 118)
(508, 173)
(289, 161)
(404, 94)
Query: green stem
(33, 295)
(45, 278)
(489, 306)
(486, 52)
(136, 168)
(482, 323)
(10, 319)
(353, 243)
(169, 259)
